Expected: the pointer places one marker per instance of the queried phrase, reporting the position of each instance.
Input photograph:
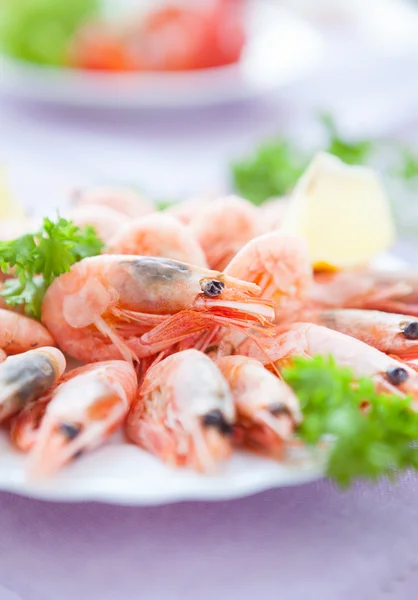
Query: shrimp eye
(216, 419)
(212, 287)
(410, 331)
(397, 375)
(277, 409)
(70, 430)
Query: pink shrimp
(83, 412)
(184, 412)
(24, 427)
(99, 309)
(186, 210)
(105, 220)
(388, 332)
(390, 291)
(25, 377)
(158, 235)
(273, 213)
(267, 409)
(19, 333)
(280, 266)
(125, 200)
(223, 226)
(308, 339)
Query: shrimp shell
(184, 412)
(267, 408)
(99, 309)
(125, 200)
(19, 333)
(25, 377)
(308, 339)
(224, 226)
(388, 332)
(83, 412)
(158, 235)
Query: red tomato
(177, 38)
(168, 40)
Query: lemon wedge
(9, 206)
(342, 211)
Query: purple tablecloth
(311, 541)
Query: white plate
(121, 473)
(280, 50)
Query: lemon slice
(9, 206)
(342, 211)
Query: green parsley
(271, 171)
(163, 204)
(351, 152)
(408, 164)
(375, 434)
(37, 259)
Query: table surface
(285, 543)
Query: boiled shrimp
(267, 408)
(99, 309)
(280, 266)
(158, 235)
(224, 226)
(390, 291)
(105, 220)
(19, 333)
(83, 412)
(184, 412)
(273, 213)
(308, 339)
(187, 210)
(24, 427)
(388, 332)
(125, 200)
(27, 376)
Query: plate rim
(224, 84)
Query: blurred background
(186, 97)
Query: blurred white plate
(121, 473)
(281, 49)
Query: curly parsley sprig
(375, 434)
(35, 260)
